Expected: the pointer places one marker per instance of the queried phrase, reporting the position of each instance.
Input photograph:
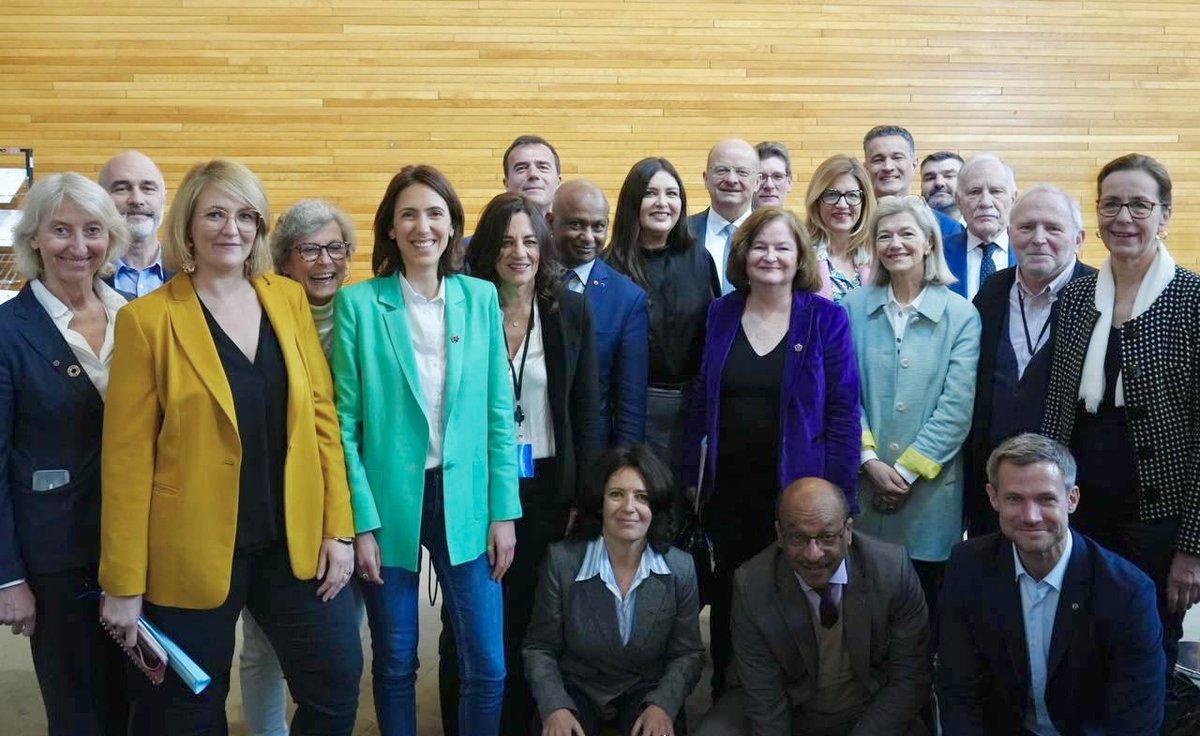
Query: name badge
(524, 460)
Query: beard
(942, 201)
(142, 227)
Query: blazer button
(905, 362)
(901, 406)
(228, 461)
(894, 446)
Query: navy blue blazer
(1106, 670)
(955, 247)
(621, 323)
(50, 419)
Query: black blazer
(1105, 673)
(50, 419)
(574, 635)
(574, 388)
(1160, 369)
(992, 303)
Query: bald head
(812, 495)
(137, 188)
(579, 221)
(731, 177)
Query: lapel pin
(73, 371)
(798, 347)
(1074, 606)
(55, 363)
(595, 282)
(454, 338)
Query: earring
(187, 264)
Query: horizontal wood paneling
(330, 99)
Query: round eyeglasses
(310, 252)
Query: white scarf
(1160, 273)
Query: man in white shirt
(1017, 314)
(987, 189)
(137, 188)
(731, 177)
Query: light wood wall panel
(332, 98)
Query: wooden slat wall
(331, 98)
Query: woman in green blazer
(421, 378)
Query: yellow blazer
(172, 456)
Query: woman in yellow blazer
(225, 485)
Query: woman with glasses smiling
(1125, 390)
(224, 484)
(838, 204)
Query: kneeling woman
(615, 633)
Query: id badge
(524, 460)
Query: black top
(1107, 475)
(748, 459)
(680, 284)
(260, 392)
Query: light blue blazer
(385, 429)
(917, 401)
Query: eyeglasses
(216, 218)
(722, 172)
(311, 252)
(825, 540)
(777, 179)
(1139, 209)
(831, 197)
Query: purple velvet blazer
(820, 434)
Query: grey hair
(1029, 449)
(302, 219)
(1045, 188)
(43, 200)
(775, 149)
(937, 271)
(981, 158)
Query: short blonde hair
(43, 200)
(937, 271)
(235, 180)
(807, 277)
(302, 219)
(827, 172)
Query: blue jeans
(475, 605)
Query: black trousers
(735, 540)
(543, 522)
(317, 643)
(80, 669)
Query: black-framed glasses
(310, 252)
(831, 197)
(825, 540)
(1139, 209)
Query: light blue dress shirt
(138, 281)
(1039, 604)
(596, 562)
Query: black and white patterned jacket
(1160, 369)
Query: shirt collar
(717, 223)
(914, 305)
(60, 312)
(121, 265)
(1001, 240)
(596, 562)
(1055, 577)
(584, 271)
(412, 296)
(840, 576)
(1054, 286)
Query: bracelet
(344, 540)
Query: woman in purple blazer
(780, 398)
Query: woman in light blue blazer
(917, 345)
(421, 375)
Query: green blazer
(385, 429)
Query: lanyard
(1029, 343)
(518, 379)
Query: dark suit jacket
(1106, 668)
(574, 635)
(887, 632)
(956, 258)
(697, 225)
(992, 303)
(51, 418)
(622, 353)
(570, 348)
(820, 433)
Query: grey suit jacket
(574, 636)
(887, 632)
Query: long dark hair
(625, 248)
(488, 241)
(385, 258)
(659, 485)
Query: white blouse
(538, 427)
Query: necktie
(828, 609)
(727, 234)
(987, 266)
(571, 279)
